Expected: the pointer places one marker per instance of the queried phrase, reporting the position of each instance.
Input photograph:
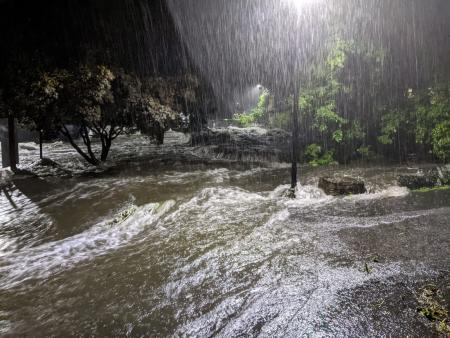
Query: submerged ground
(179, 245)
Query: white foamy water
(211, 209)
(231, 257)
(275, 270)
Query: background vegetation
(414, 125)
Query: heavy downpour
(229, 168)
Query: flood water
(212, 248)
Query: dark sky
(231, 43)
(136, 34)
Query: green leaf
(338, 136)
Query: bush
(317, 157)
(422, 119)
(366, 153)
(246, 119)
(441, 140)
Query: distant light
(299, 4)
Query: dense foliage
(320, 103)
(422, 120)
(348, 114)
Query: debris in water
(124, 215)
(290, 193)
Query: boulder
(426, 179)
(417, 181)
(336, 186)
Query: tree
(92, 99)
(154, 118)
(95, 101)
(177, 102)
(419, 122)
(320, 101)
(84, 95)
(98, 102)
(35, 104)
(51, 100)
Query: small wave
(304, 195)
(216, 202)
(46, 259)
(338, 222)
(310, 194)
(389, 192)
(216, 175)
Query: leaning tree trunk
(84, 132)
(89, 158)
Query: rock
(443, 174)
(425, 179)
(429, 179)
(342, 186)
(417, 181)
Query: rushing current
(212, 248)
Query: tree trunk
(84, 132)
(295, 146)
(12, 143)
(106, 146)
(40, 143)
(160, 135)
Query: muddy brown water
(215, 250)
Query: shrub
(317, 157)
(441, 140)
